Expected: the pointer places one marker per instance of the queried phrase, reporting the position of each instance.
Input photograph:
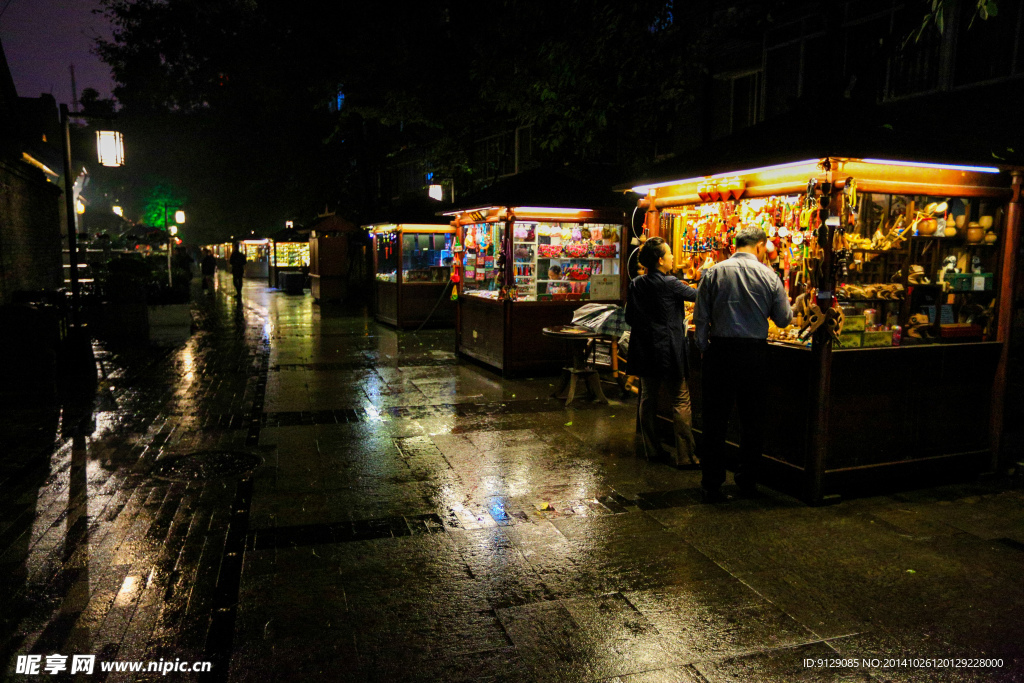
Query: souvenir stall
(520, 269)
(412, 267)
(901, 275)
(336, 252)
(289, 253)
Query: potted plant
(142, 305)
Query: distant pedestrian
(237, 263)
(208, 267)
(655, 313)
(734, 302)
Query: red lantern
(455, 278)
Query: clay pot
(927, 226)
(990, 237)
(985, 221)
(975, 233)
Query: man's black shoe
(713, 496)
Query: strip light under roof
(644, 189)
(950, 167)
(544, 209)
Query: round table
(577, 339)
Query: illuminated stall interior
(920, 259)
(524, 266)
(412, 272)
(289, 253)
(257, 257)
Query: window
(736, 102)
(782, 78)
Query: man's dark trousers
(732, 371)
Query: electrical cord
(444, 293)
(632, 229)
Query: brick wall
(30, 234)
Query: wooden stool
(580, 371)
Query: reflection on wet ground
(368, 507)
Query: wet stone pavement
(296, 494)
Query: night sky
(42, 37)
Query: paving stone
(417, 517)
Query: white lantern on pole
(110, 147)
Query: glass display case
(413, 264)
(551, 261)
(291, 254)
(426, 257)
(288, 257)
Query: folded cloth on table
(606, 319)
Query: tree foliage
(235, 102)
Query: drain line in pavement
(221, 635)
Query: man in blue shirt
(734, 302)
(655, 312)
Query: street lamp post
(110, 152)
(179, 217)
(69, 205)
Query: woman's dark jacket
(657, 338)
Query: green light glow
(159, 197)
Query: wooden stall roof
(332, 223)
(909, 132)
(291, 235)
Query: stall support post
(1004, 321)
(508, 267)
(652, 219)
(272, 268)
(821, 349)
(459, 239)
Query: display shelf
(576, 258)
